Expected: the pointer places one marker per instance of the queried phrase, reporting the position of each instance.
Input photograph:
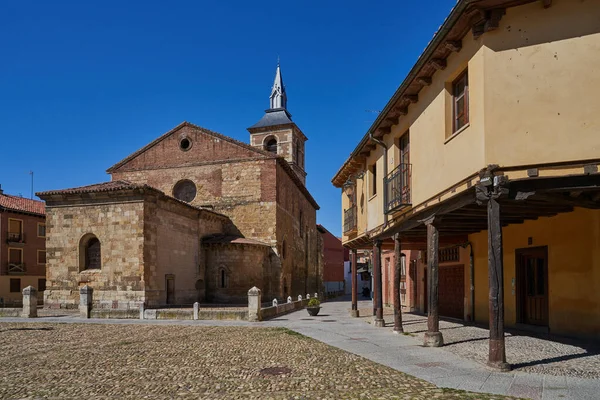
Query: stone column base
(433, 339)
(354, 313)
(398, 332)
(499, 366)
(380, 323)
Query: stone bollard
(254, 303)
(142, 311)
(307, 296)
(29, 302)
(289, 299)
(274, 302)
(85, 301)
(196, 310)
(316, 295)
(299, 297)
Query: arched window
(90, 254)
(271, 145)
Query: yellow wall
(541, 84)
(573, 241)
(26, 280)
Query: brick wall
(34, 270)
(333, 255)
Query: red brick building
(333, 261)
(22, 247)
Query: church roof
(273, 117)
(116, 186)
(20, 204)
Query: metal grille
(350, 219)
(397, 188)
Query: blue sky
(84, 84)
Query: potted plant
(313, 307)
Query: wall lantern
(349, 186)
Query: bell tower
(277, 133)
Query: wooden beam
(433, 337)
(397, 271)
(354, 312)
(384, 129)
(413, 98)
(379, 321)
(453, 45)
(497, 353)
(438, 63)
(424, 80)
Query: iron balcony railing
(11, 268)
(397, 188)
(15, 237)
(350, 219)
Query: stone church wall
(300, 263)
(244, 266)
(118, 225)
(242, 190)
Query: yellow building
(487, 156)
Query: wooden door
(532, 286)
(170, 289)
(451, 289)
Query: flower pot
(313, 310)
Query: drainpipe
(471, 279)
(385, 163)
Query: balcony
(396, 193)
(350, 220)
(15, 237)
(14, 269)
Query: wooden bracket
(424, 80)
(438, 63)
(546, 3)
(453, 45)
(489, 22)
(413, 98)
(400, 110)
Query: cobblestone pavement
(526, 352)
(47, 360)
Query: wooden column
(397, 271)
(379, 321)
(497, 354)
(433, 336)
(353, 258)
(374, 281)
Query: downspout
(385, 163)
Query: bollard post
(274, 302)
(307, 296)
(289, 300)
(85, 301)
(316, 295)
(196, 310)
(299, 297)
(142, 311)
(254, 304)
(29, 302)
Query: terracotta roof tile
(21, 204)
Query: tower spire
(278, 96)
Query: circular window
(185, 144)
(185, 190)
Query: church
(192, 216)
